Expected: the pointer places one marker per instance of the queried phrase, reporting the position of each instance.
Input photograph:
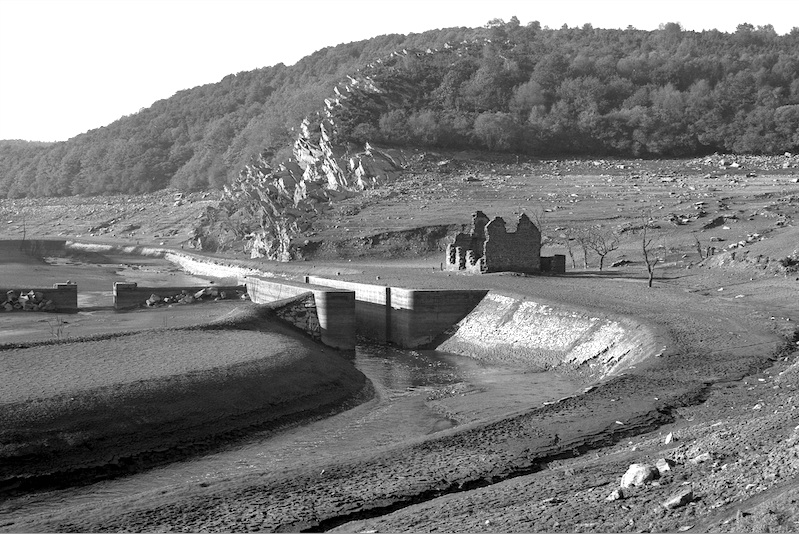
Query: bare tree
(583, 238)
(698, 247)
(650, 257)
(602, 241)
(539, 217)
(570, 236)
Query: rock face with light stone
(268, 207)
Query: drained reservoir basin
(413, 394)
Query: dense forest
(504, 87)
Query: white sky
(67, 66)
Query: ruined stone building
(490, 248)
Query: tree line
(503, 87)
(587, 91)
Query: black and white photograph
(378, 266)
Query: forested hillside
(507, 87)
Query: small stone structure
(490, 248)
(129, 295)
(59, 298)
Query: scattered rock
(620, 263)
(714, 223)
(664, 465)
(615, 495)
(22, 301)
(702, 458)
(184, 297)
(681, 498)
(638, 475)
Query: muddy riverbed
(417, 394)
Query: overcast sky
(67, 66)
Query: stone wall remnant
(129, 295)
(490, 248)
(59, 298)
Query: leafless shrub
(602, 241)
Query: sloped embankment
(512, 329)
(100, 406)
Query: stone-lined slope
(512, 329)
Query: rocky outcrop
(267, 208)
(743, 260)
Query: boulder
(615, 495)
(638, 475)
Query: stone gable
(491, 248)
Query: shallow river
(418, 393)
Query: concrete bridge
(408, 318)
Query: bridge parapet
(335, 308)
(408, 318)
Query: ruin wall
(518, 251)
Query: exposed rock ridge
(266, 208)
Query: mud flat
(88, 406)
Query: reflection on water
(400, 370)
(418, 393)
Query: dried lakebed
(322, 493)
(83, 404)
